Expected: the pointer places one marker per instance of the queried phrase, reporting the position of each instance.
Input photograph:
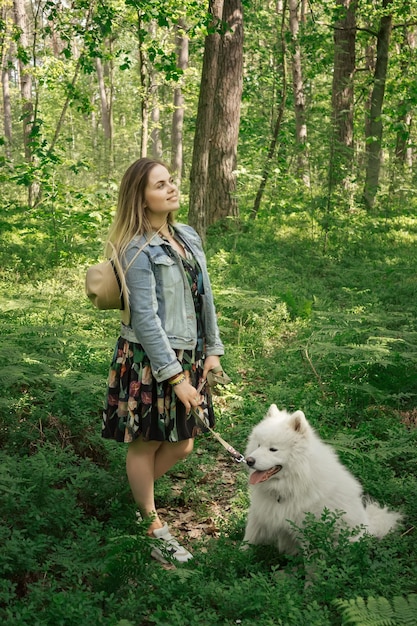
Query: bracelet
(175, 377)
(177, 381)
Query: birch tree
(25, 76)
(106, 105)
(181, 40)
(299, 95)
(5, 58)
(144, 86)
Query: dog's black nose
(250, 461)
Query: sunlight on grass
(326, 324)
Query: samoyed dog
(292, 472)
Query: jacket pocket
(168, 273)
(171, 297)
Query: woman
(172, 341)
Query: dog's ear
(299, 422)
(273, 411)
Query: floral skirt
(137, 405)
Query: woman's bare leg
(170, 453)
(145, 462)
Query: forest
(289, 126)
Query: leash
(198, 413)
(237, 456)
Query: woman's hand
(188, 395)
(210, 363)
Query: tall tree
(181, 40)
(106, 102)
(374, 139)
(221, 183)
(144, 86)
(299, 95)
(5, 54)
(403, 147)
(203, 126)
(86, 18)
(156, 140)
(280, 114)
(344, 65)
(7, 108)
(25, 77)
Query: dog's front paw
(245, 545)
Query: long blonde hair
(131, 218)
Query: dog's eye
(273, 449)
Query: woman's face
(161, 193)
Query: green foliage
(379, 611)
(51, 536)
(317, 308)
(336, 560)
(329, 329)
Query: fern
(406, 609)
(402, 611)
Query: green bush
(330, 329)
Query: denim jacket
(162, 309)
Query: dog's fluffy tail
(381, 520)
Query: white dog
(293, 472)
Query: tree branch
(355, 28)
(305, 354)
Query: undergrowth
(323, 322)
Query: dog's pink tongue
(258, 477)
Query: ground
(188, 523)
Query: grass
(324, 322)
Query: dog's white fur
(311, 479)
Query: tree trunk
(403, 148)
(402, 144)
(202, 135)
(110, 100)
(342, 92)
(144, 83)
(156, 140)
(370, 68)
(280, 115)
(178, 115)
(25, 77)
(221, 183)
(303, 11)
(299, 97)
(106, 102)
(7, 109)
(67, 101)
(105, 117)
(65, 106)
(4, 58)
(156, 137)
(374, 138)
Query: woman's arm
(145, 321)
